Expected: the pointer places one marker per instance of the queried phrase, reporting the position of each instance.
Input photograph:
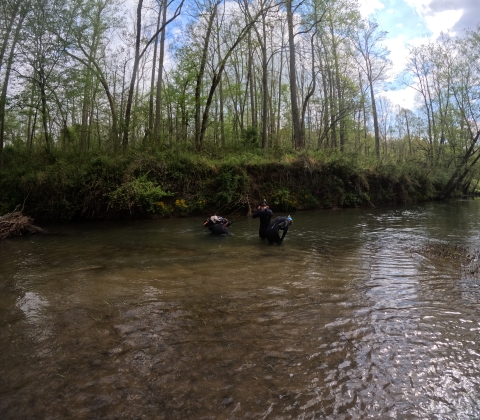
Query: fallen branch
(17, 224)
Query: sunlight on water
(158, 319)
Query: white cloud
(398, 52)
(403, 97)
(368, 7)
(445, 15)
(443, 21)
(421, 6)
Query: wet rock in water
(445, 250)
(227, 401)
(468, 259)
(472, 269)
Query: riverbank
(58, 187)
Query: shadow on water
(158, 319)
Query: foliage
(161, 183)
(139, 196)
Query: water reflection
(158, 319)
(31, 305)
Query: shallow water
(158, 319)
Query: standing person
(280, 223)
(265, 215)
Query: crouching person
(217, 225)
(273, 230)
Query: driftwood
(16, 224)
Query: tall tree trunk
(161, 58)
(135, 103)
(408, 134)
(298, 138)
(338, 88)
(251, 83)
(201, 72)
(3, 94)
(463, 168)
(131, 89)
(333, 110)
(264, 84)
(375, 119)
(85, 113)
(87, 105)
(8, 30)
(220, 94)
(149, 136)
(262, 40)
(44, 106)
(325, 132)
(364, 113)
(311, 90)
(217, 75)
(279, 104)
(31, 116)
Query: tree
(138, 55)
(158, 95)
(89, 22)
(212, 10)
(43, 56)
(217, 71)
(465, 79)
(298, 135)
(17, 17)
(373, 61)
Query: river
(156, 319)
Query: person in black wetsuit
(280, 223)
(265, 215)
(217, 225)
(218, 229)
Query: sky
(413, 22)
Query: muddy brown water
(159, 320)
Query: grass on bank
(162, 183)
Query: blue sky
(413, 22)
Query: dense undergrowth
(56, 186)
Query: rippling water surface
(159, 320)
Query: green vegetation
(57, 186)
(121, 109)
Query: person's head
(290, 220)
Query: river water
(347, 319)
